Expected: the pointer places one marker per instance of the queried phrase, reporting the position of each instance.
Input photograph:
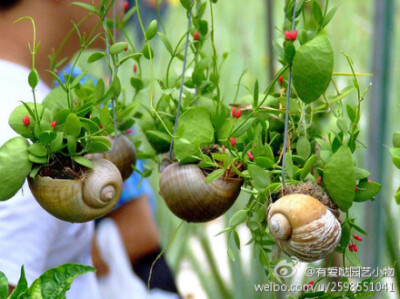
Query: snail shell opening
(189, 197)
(315, 231)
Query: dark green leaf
(147, 51)
(317, 13)
(137, 83)
(3, 286)
(71, 144)
(21, 287)
(264, 162)
(186, 4)
(367, 190)
(33, 78)
(308, 166)
(152, 30)
(96, 56)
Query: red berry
(233, 141)
(196, 35)
(26, 120)
(319, 180)
(251, 157)
(53, 124)
(129, 131)
(126, 5)
(233, 111)
(357, 237)
(280, 80)
(135, 68)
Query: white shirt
(29, 235)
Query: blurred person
(29, 235)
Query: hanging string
(114, 143)
(182, 81)
(285, 135)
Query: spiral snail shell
(88, 198)
(303, 227)
(123, 156)
(191, 198)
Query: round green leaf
(312, 68)
(14, 157)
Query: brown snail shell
(189, 197)
(123, 156)
(88, 198)
(303, 227)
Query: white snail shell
(94, 195)
(123, 156)
(303, 227)
(189, 197)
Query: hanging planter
(123, 156)
(88, 197)
(191, 198)
(304, 223)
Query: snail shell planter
(191, 198)
(123, 156)
(303, 226)
(80, 200)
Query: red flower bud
(100, 126)
(223, 149)
(290, 35)
(357, 237)
(233, 111)
(355, 248)
(196, 35)
(26, 120)
(251, 157)
(351, 247)
(280, 80)
(233, 141)
(126, 48)
(126, 5)
(53, 124)
(319, 180)
(129, 131)
(356, 188)
(311, 283)
(135, 68)
(369, 181)
(238, 113)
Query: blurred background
(246, 30)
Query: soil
(62, 167)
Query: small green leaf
(289, 165)
(238, 218)
(264, 162)
(395, 152)
(72, 125)
(137, 83)
(317, 13)
(236, 239)
(186, 4)
(105, 118)
(152, 30)
(71, 144)
(366, 191)
(216, 174)
(260, 177)
(166, 42)
(3, 286)
(303, 147)
(38, 149)
(96, 56)
(33, 78)
(308, 166)
(61, 115)
(83, 161)
(34, 172)
(21, 287)
(339, 178)
(255, 94)
(35, 159)
(147, 51)
(89, 7)
(361, 173)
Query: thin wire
(114, 143)
(285, 135)
(182, 81)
